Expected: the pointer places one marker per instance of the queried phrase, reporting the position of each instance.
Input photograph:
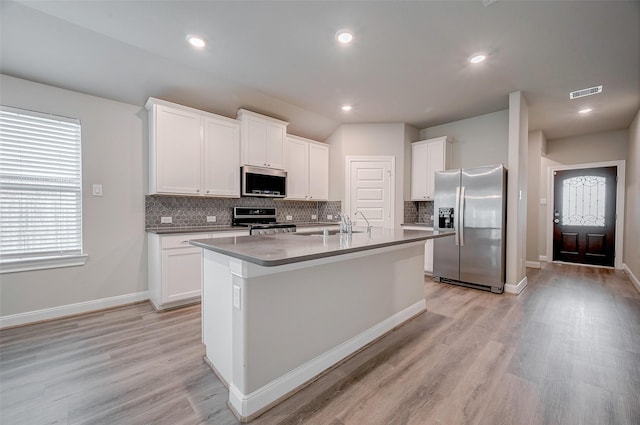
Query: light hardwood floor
(566, 351)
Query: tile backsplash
(418, 212)
(193, 211)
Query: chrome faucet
(365, 219)
(345, 223)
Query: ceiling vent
(585, 92)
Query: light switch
(97, 190)
(166, 220)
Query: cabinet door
(296, 154)
(419, 172)
(221, 158)
(275, 145)
(435, 163)
(254, 142)
(178, 151)
(318, 172)
(181, 274)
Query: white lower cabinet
(428, 249)
(175, 268)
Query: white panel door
(221, 158)
(297, 167)
(178, 151)
(370, 191)
(318, 172)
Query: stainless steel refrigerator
(473, 202)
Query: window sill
(27, 264)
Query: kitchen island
(279, 310)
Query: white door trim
(620, 206)
(392, 193)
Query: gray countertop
(221, 228)
(287, 248)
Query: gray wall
(482, 140)
(535, 211)
(113, 154)
(586, 149)
(371, 140)
(632, 216)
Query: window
(40, 191)
(583, 201)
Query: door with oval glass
(585, 215)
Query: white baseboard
(516, 289)
(633, 277)
(70, 309)
(533, 264)
(247, 406)
(542, 258)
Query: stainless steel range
(260, 221)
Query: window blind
(40, 185)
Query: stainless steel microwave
(266, 182)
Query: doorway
(370, 188)
(584, 223)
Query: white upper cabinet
(307, 165)
(318, 172)
(427, 157)
(296, 155)
(262, 140)
(192, 152)
(175, 151)
(221, 150)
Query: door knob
(557, 220)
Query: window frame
(34, 261)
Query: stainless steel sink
(331, 232)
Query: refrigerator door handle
(456, 237)
(461, 217)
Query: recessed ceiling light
(585, 110)
(344, 36)
(478, 58)
(196, 41)
(346, 108)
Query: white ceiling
(407, 64)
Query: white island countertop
(287, 248)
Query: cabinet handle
(207, 191)
(197, 190)
(184, 242)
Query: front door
(370, 190)
(584, 216)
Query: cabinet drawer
(182, 240)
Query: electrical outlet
(289, 217)
(166, 220)
(431, 217)
(211, 219)
(314, 217)
(329, 217)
